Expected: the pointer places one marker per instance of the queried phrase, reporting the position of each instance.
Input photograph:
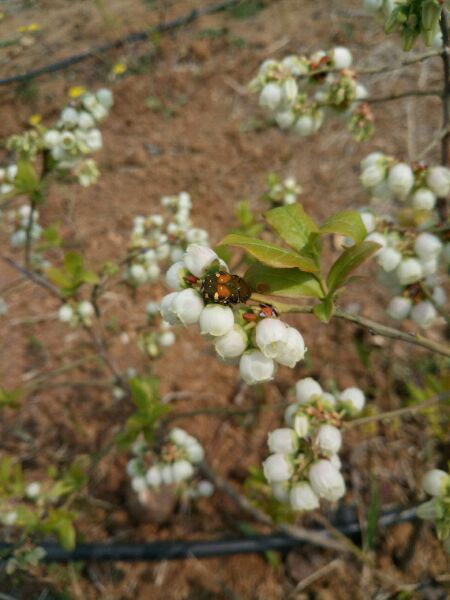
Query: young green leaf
(292, 224)
(269, 254)
(26, 181)
(291, 283)
(348, 261)
(324, 310)
(346, 222)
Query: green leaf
(269, 254)
(66, 533)
(11, 397)
(291, 283)
(26, 181)
(292, 224)
(348, 223)
(73, 263)
(324, 310)
(348, 261)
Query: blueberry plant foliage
(282, 269)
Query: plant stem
(29, 240)
(445, 96)
(406, 94)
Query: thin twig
(406, 94)
(441, 205)
(38, 279)
(374, 327)
(322, 572)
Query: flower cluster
(284, 191)
(7, 177)
(412, 19)
(153, 239)
(300, 91)
(82, 312)
(174, 463)
(20, 221)
(76, 135)
(436, 483)
(207, 294)
(409, 259)
(159, 337)
(304, 465)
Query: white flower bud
(353, 398)
(372, 5)
(166, 308)
(153, 477)
(194, 451)
(335, 461)
(205, 488)
(85, 120)
(329, 439)
(285, 119)
(65, 313)
(152, 308)
(232, 344)
(271, 335)
(423, 199)
(198, 258)
(342, 57)
(139, 484)
(369, 221)
(179, 436)
(293, 349)
(302, 497)
(69, 116)
(167, 475)
(378, 238)
(328, 399)
(389, 259)
(399, 307)
(301, 425)
(85, 309)
(33, 490)
(167, 339)
(105, 97)
(446, 253)
(401, 180)
(429, 266)
(133, 467)
(10, 518)
(326, 481)
(277, 468)
(216, 320)
(438, 180)
(51, 138)
(371, 159)
(270, 96)
(423, 313)
(361, 92)
(427, 245)
(439, 295)
(409, 271)
(435, 481)
(187, 306)
(182, 470)
(305, 125)
(306, 389)
(283, 440)
(289, 91)
(256, 368)
(280, 492)
(138, 273)
(289, 413)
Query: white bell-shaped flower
(302, 497)
(256, 368)
(326, 481)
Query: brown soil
(203, 148)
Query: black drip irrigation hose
(184, 549)
(132, 38)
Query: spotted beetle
(225, 288)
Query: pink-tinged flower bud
(401, 180)
(306, 389)
(256, 368)
(198, 258)
(409, 271)
(277, 468)
(282, 440)
(423, 314)
(293, 349)
(329, 439)
(399, 307)
(216, 320)
(187, 306)
(326, 481)
(302, 497)
(271, 335)
(232, 344)
(435, 482)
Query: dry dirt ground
(206, 145)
